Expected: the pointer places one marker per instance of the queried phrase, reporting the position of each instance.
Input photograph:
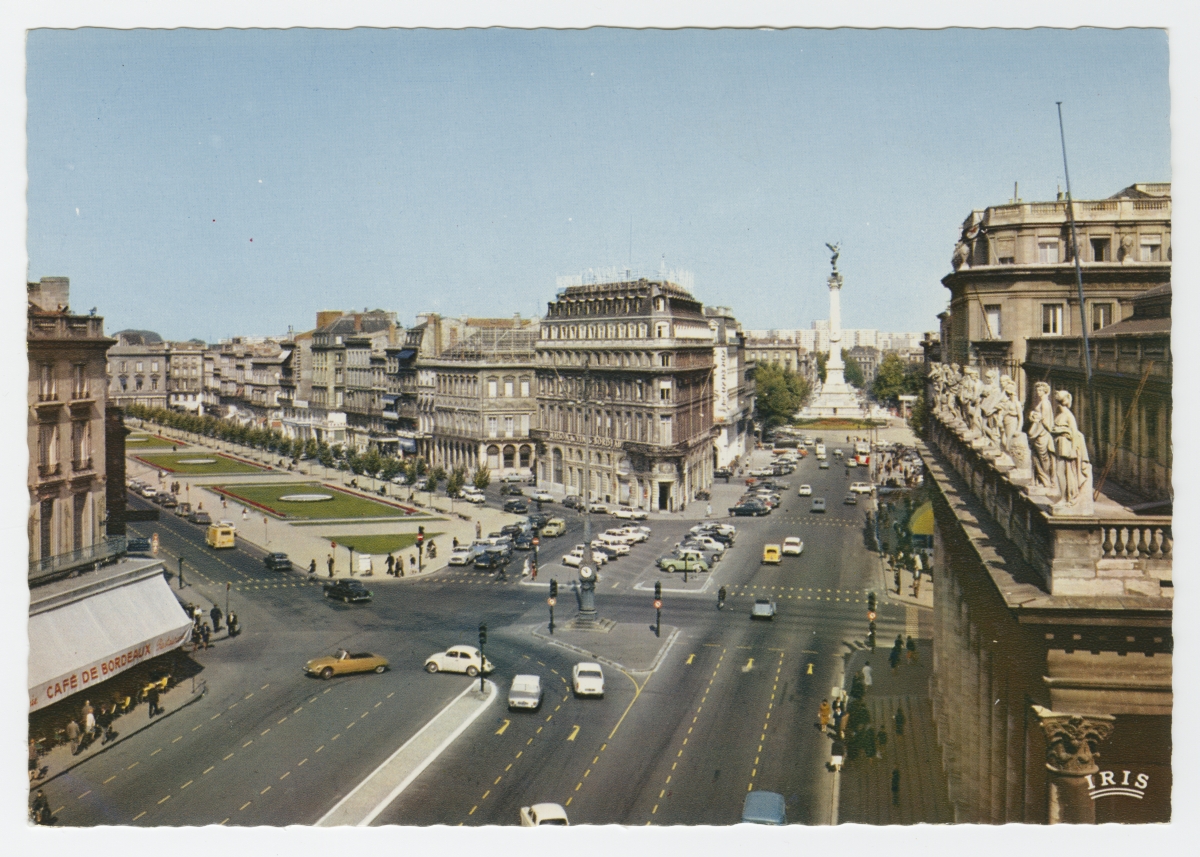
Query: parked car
(689, 561)
(818, 504)
(762, 807)
(537, 520)
(459, 659)
(200, 517)
(611, 548)
(544, 814)
(508, 489)
(462, 556)
(598, 509)
(167, 501)
(627, 514)
(554, 527)
(748, 509)
(277, 562)
(149, 491)
(514, 530)
(136, 544)
(183, 509)
(343, 663)
(850, 462)
(544, 497)
(512, 477)
(764, 608)
(793, 546)
(475, 497)
(587, 679)
(573, 501)
(771, 554)
(346, 591)
(860, 487)
(525, 692)
(517, 507)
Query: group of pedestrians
(902, 649)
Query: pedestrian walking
(478, 530)
(894, 659)
(224, 503)
(708, 510)
(329, 564)
(824, 713)
(90, 730)
(312, 566)
(412, 565)
(898, 719)
(391, 565)
(33, 760)
(152, 695)
(525, 568)
(73, 736)
(895, 786)
(104, 720)
(245, 514)
(232, 624)
(866, 674)
(911, 645)
(215, 614)
(87, 708)
(843, 725)
(897, 579)
(454, 543)
(205, 633)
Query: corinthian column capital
(1072, 739)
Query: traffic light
(871, 636)
(420, 534)
(553, 588)
(870, 602)
(658, 590)
(482, 634)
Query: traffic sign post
(482, 656)
(658, 604)
(534, 568)
(552, 600)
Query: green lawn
(836, 423)
(377, 545)
(172, 461)
(342, 505)
(140, 440)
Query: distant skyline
(206, 184)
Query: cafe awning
(84, 631)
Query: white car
(458, 659)
(860, 487)
(474, 497)
(709, 544)
(574, 559)
(544, 813)
(598, 509)
(525, 692)
(148, 491)
(512, 477)
(460, 557)
(792, 546)
(543, 497)
(587, 679)
(618, 548)
(804, 490)
(629, 535)
(628, 514)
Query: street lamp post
(181, 571)
(587, 569)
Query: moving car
(517, 507)
(824, 465)
(509, 489)
(346, 591)
(804, 490)
(167, 501)
(587, 679)
(183, 509)
(277, 562)
(573, 501)
(458, 659)
(860, 487)
(818, 504)
(764, 808)
(149, 491)
(344, 663)
(792, 546)
(544, 813)
(462, 556)
(574, 559)
(220, 535)
(771, 554)
(525, 692)
(598, 509)
(490, 559)
(554, 527)
(200, 518)
(543, 497)
(749, 509)
(627, 514)
(851, 500)
(523, 541)
(850, 462)
(764, 608)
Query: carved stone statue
(961, 257)
(1127, 249)
(1041, 420)
(836, 250)
(968, 396)
(990, 396)
(1009, 414)
(1074, 470)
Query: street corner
(627, 646)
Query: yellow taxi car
(342, 662)
(771, 554)
(554, 527)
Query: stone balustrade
(1102, 555)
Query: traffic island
(626, 646)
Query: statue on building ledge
(1074, 468)
(1041, 420)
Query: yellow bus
(220, 535)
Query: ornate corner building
(1053, 539)
(624, 375)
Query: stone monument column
(1071, 741)
(835, 367)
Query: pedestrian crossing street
(799, 593)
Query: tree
(919, 418)
(482, 478)
(852, 372)
(434, 476)
(890, 381)
(456, 481)
(822, 359)
(779, 393)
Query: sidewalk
(866, 795)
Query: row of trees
(373, 463)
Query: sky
(211, 183)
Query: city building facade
(1014, 275)
(625, 394)
(185, 376)
(138, 370)
(733, 390)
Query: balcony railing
(82, 464)
(1085, 210)
(1132, 356)
(45, 471)
(60, 565)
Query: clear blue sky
(215, 183)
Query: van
(771, 554)
(220, 536)
(820, 450)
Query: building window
(664, 391)
(1101, 315)
(508, 388)
(665, 359)
(493, 427)
(46, 391)
(508, 426)
(1048, 251)
(1005, 251)
(138, 368)
(1152, 249)
(1052, 319)
(660, 330)
(991, 314)
(664, 430)
(525, 387)
(493, 387)
(493, 457)
(510, 454)
(1101, 250)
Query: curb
(362, 816)
(662, 651)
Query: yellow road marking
(264, 791)
(322, 747)
(209, 768)
(227, 758)
(472, 812)
(180, 738)
(243, 806)
(185, 785)
(139, 815)
(504, 726)
(264, 732)
(485, 794)
(156, 752)
(164, 800)
(691, 658)
(277, 722)
(85, 794)
(134, 765)
(574, 732)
